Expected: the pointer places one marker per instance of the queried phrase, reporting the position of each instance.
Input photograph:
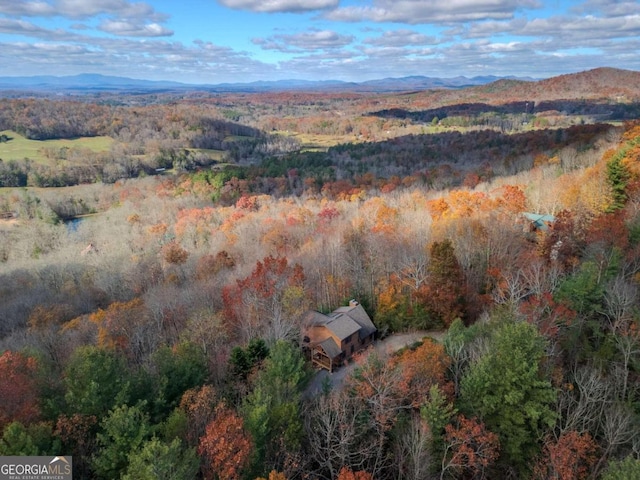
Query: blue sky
(215, 41)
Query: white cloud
(125, 18)
(401, 38)
(28, 29)
(437, 11)
(608, 8)
(578, 30)
(133, 29)
(273, 6)
(26, 8)
(81, 8)
(308, 41)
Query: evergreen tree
(507, 391)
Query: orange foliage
(197, 221)
(225, 446)
(347, 474)
(464, 204)
(159, 229)
(512, 199)
(273, 475)
(199, 406)
(438, 208)
(459, 204)
(279, 239)
(420, 369)
(116, 324)
(386, 220)
(247, 202)
(571, 457)
(472, 447)
(50, 315)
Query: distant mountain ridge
(604, 82)
(95, 82)
(84, 80)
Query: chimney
(353, 303)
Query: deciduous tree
(18, 389)
(470, 449)
(267, 303)
(225, 446)
(570, 457)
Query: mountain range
(615, 84)
(104, 83)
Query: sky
(218, 41)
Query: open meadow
(17, 147)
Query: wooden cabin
(333, 339)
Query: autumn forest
(159, 251)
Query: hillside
(609, 84)
(154, 304)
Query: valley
(170, 320)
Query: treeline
(186, 135)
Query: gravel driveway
(389, 345)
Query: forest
(153, 290)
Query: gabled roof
(342, 322)
(342, 326)
(358, 315)
(539, 220)
(330, 347)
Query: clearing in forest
(19, 147)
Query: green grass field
(216, 155)
(20, 147)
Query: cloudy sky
(215, 41)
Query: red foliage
(547, 315)
(328, 213)
(18, 389)
(269, 279)
(247, 202)
(609, 230)
(564, 240)
(473, 448)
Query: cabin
(537, 222)
(331, 340)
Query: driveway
(385, 347)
